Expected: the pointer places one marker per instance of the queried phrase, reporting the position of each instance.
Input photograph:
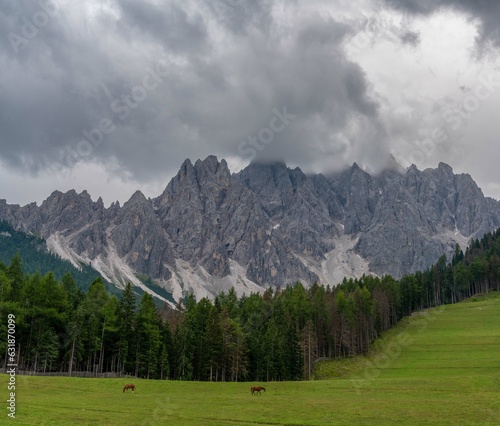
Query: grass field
(439, 367)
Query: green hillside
(36, 258)
(441, 366)
(458, 339)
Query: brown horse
(129, 386)
(257, 389)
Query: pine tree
(165, 351)
(309, 346)
(149, 339)
(5, 287)
(126, 345)
(15, 273)
(92, 309)
(75, 295)
(213, 343)
(293, 353)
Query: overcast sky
(112, 96)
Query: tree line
(36, 257)
(276, 335)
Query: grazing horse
(129, 386)
(257, 389)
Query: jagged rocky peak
(193, 178)
(445, 168)
(210, 168)
(413, 180)
(65, 198)
(114, 208)
(267, 225)
(85, 194)
(63, 211)
(185, 174)
(138, 211)
(211, 174)
(270, 178)
(100, 203)
(354, 175)
(393, 164)
(55, 197)
(137, 197)
(355, 168)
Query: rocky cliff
(267, 225)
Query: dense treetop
(277, 335)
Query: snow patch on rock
(341, 262)
(189, 279)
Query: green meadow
(439, 367)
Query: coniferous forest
(36, 257)
(277, 335)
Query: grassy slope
(442, 367)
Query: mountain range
(267, 225)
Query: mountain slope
(36, 258)
(267, 225)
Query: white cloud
(107, 182)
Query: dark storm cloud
(34, 117)
(168, 24)
(50, 78)
(238, 16)
(488, 12)
(149, 84)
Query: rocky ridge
(267, 225)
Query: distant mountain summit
(267, 225)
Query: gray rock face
(420, 215)
(275, 224)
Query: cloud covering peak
(148, 84)
(124, 91)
